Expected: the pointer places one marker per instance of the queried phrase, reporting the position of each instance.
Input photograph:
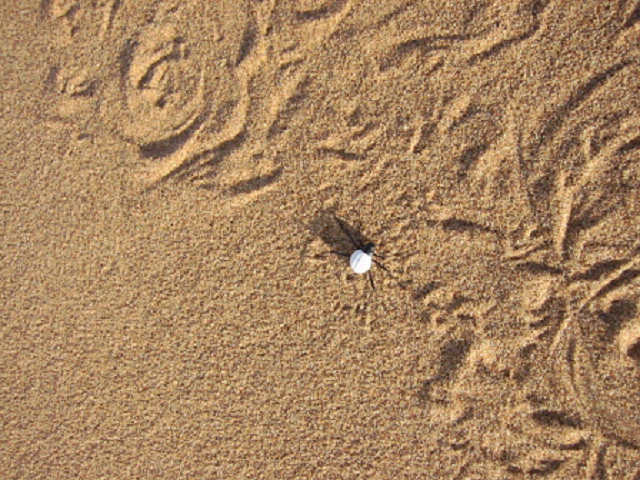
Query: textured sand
(170, 175)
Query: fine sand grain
(171, 176)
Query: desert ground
(182, 179)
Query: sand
(172, 176)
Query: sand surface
(172, 172)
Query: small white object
(360, 261)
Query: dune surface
(181, 181)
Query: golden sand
(171, 176)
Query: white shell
(360, 262)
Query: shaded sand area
(171, 174)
